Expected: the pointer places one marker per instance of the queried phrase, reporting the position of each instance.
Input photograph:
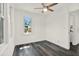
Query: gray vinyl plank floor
(44, 48)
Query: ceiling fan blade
(51, 10)
(52, 4)
(38, 8)
(43, 4)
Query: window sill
(27, 33)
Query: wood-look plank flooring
(44, 48)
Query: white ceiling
(29, 7)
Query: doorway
(74, 27)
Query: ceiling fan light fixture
(45, 9)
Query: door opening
(74, 28)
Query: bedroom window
(1, 23)
(1, 30)
(27, 24)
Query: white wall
(57, 26)
(38, 27)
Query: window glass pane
(1, 23)
(1, 30)
(27, 24)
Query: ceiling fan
(47, 8)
